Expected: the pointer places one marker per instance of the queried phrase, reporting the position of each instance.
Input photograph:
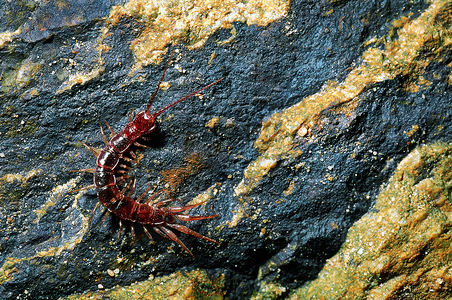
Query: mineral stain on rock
(384, 60)
(181, 285)
(401, 249)
(193, 21)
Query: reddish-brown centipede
(110, 168)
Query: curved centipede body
(108, 171)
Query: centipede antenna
(186, 97)
(148, 107)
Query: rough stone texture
(299, 141)
(401, 249)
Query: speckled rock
(320, 102)
(402, 248)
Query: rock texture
(325, 150)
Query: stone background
(321, 102)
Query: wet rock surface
(317, 109)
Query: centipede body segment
(109, 170)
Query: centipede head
(145, 122)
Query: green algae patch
(403, 248)
(384, 61)
(192, 285)
(268, 291)
(20, 76)
(190, 21)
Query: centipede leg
(184, 208)
(155, 195)
(133, 234)
(103, 134)
(156, 229)
(148, 234)
(89, 170)
(125, 167)
(130, 115)
(90, 149)
(130, 185)
(165, 202)
(130, 160)
(193, 218)
(141, 145)
(98, 204)
(109, 127)
(120, 229)
(88, 187)
(174, 238)
(105, 212)
(144, 194)
(187, 230)
(134, 156)
(120, 179)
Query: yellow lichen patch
(191, 21)
(209, 194)
(56, 194)
(238, 215)
(10, 178)
(289, 189)
(399, 57)
(79, 78)
(6, 37)
(164, 86)
(402, 247)
(414, 129)
(8, 268)
(193, 285)
(212, 122)
(14, 186)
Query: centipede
(111, 171)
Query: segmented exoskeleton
(109, 168)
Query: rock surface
(325, 150)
